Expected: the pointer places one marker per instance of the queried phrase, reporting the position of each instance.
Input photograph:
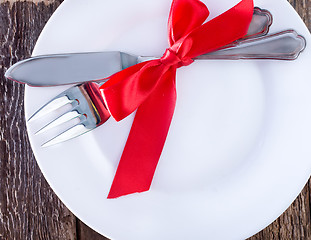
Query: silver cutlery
(286, 45)
(73, 68)
(85, 100)
(88, 107)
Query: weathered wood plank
(86, 233)
(28, 207)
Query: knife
(73, 68)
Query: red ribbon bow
(149, 87)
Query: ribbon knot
(149, 87)
(170, 58)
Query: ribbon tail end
(114, 194)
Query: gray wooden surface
(29, 209)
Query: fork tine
(51, 106)
(70, 133)
(66, 117)
(86, 105)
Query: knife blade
(62, 69)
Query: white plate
(238, 151)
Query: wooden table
(29, 209)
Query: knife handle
(286, 45)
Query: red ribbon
(149, 87)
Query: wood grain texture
(28, 207)
(86, 233)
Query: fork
(88, 107)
